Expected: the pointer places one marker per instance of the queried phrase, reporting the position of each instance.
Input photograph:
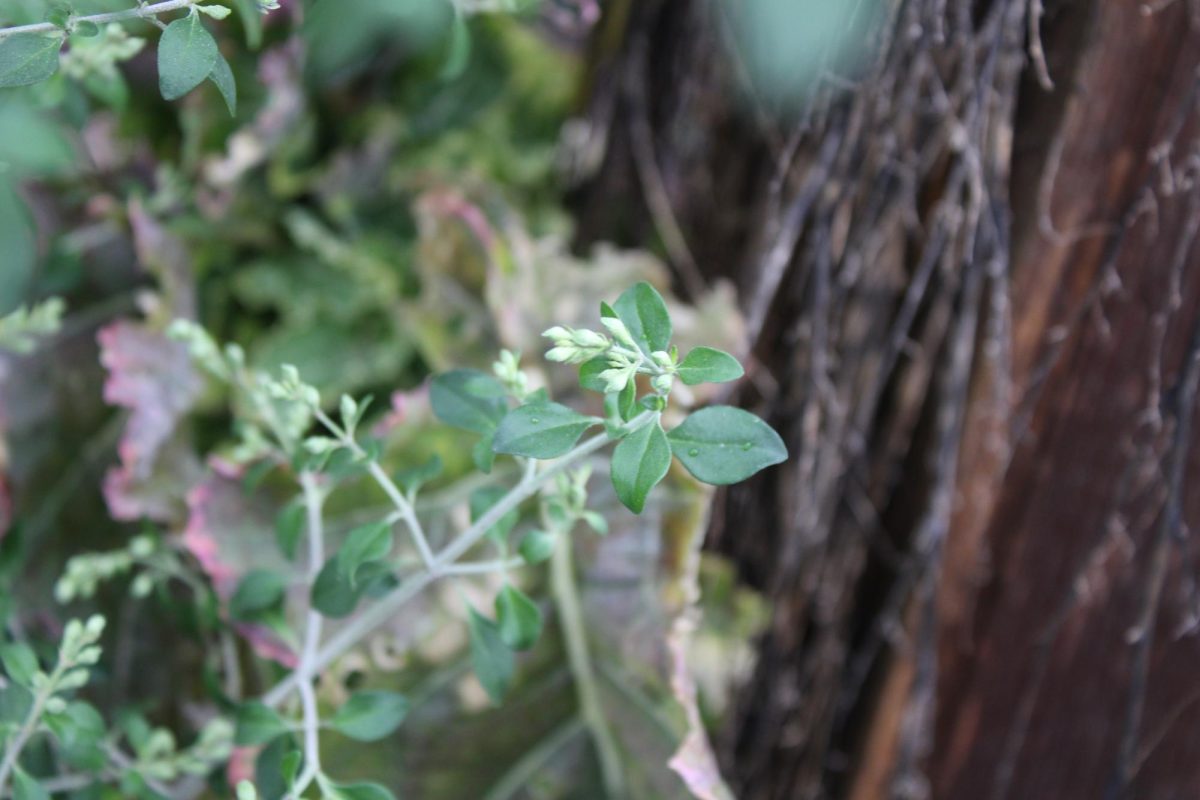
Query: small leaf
(621, 405)
(482, 453)
(214, 11)
(187, 54)
(20, 663)
(26, 787)
(289, 767)
(414, 478)
(370, 716)
(491, 658)
(639, 462)
(709, 365)
(519, 619)
(468, 399)
(332, 593)
(365, 544)
(86, 29)
(537, 546)
(80, 732)
(257, 724)
(589, 374)
(355, 791)
(482, 500)
(28, 58)
(722, 445)
(260, 590)
(644, 313)
(289, 527)
(540, 430)
(222, 78)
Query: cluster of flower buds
(622, 367)
(508, 371)
(77, 652)
(573, 346)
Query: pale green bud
(56, 705)
(141, 546)
(142, 586)
(663, 359)
(662, 383)
(619, 331)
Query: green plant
(632, 364)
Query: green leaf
(639, 462)
(365, 544)
(289, 527)
(537, 546)
(468, 399)
(482, 500)
(540, 430)
(222, 78)
(335, 596)
(491, 658)
(258, 591)
(709, 365)
(644, 313)
(589, 374)
(519, 618)
(355, 791)
(482, 453)
(370, 716)
(187, 54)
(28, 58)
(621, 405)
(414, 478)
(26, 787)
(20, 663)
(80, 731)
(722, 445)
(289, 767)
(257, 724)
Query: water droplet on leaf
(693, 452)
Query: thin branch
(353, 631)
(141, 12)
(314, 498)
(403, 506)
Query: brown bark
(978, 555)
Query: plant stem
(29, 726)
(353, 631)
(389, 487)
(570, 616)
(141, 12)
(306, 670)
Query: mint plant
(369, 574)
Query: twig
(305, 672)
(403, 506)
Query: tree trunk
(972, 315)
